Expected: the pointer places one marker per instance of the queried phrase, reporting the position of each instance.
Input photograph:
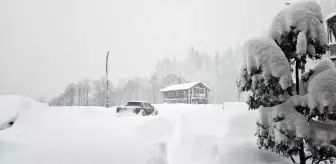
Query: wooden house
(188, 93)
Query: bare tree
(86, 90)
(99, 92)
(69, 94)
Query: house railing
(198, 96)
(172, 99)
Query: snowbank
(192, 134)
(10, 107)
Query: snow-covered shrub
(265, 72)
(283, 123)
(294, 124)
(286, 108)
(302, 18)
(322, 92)
(264, 120)
(306, 77)
(264, 55)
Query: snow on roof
(139, 101)
(183, 86)
(330, 16)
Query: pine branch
(309, 156)
(293, 160)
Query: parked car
(138, 107)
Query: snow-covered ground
(194, 134)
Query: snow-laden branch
(303, 18)
(306, 77)
(293, 123)
(264, 121)
(263, 55)
(322, 92)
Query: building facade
(188, 93)
(330, 23)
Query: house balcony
(198, 96)
(171, 99)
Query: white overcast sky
(46, 44)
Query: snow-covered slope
(10, 107)
(194, 134)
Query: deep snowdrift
(194, 134)
(10, 107)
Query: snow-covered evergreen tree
(292, 122)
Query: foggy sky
(45, 44)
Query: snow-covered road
(194, 134)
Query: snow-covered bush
(319, 136)
(303, 18)
(284, 123)
(264, 119)
(306, 77)
(264, 55)
(322, 92)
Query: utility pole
(180, 77)
(136, 88)
(153, 84)
(107, 81)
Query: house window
(169, 94)
(182, 94)
(196, 91)
(201, 90)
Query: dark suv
(139, 108)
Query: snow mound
(184, 134)
(156, 130)
(10, 107)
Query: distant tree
(86, 90)
(58, 101)
(99, 91)
(69, 94)
(130, 87)
(80, 94)
(217, 64)
(172, 79)
(153, 81)
(42, 99)
(228, 61)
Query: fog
(45, 45)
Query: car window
(134, 104)
(146, 105)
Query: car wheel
(142, 112)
